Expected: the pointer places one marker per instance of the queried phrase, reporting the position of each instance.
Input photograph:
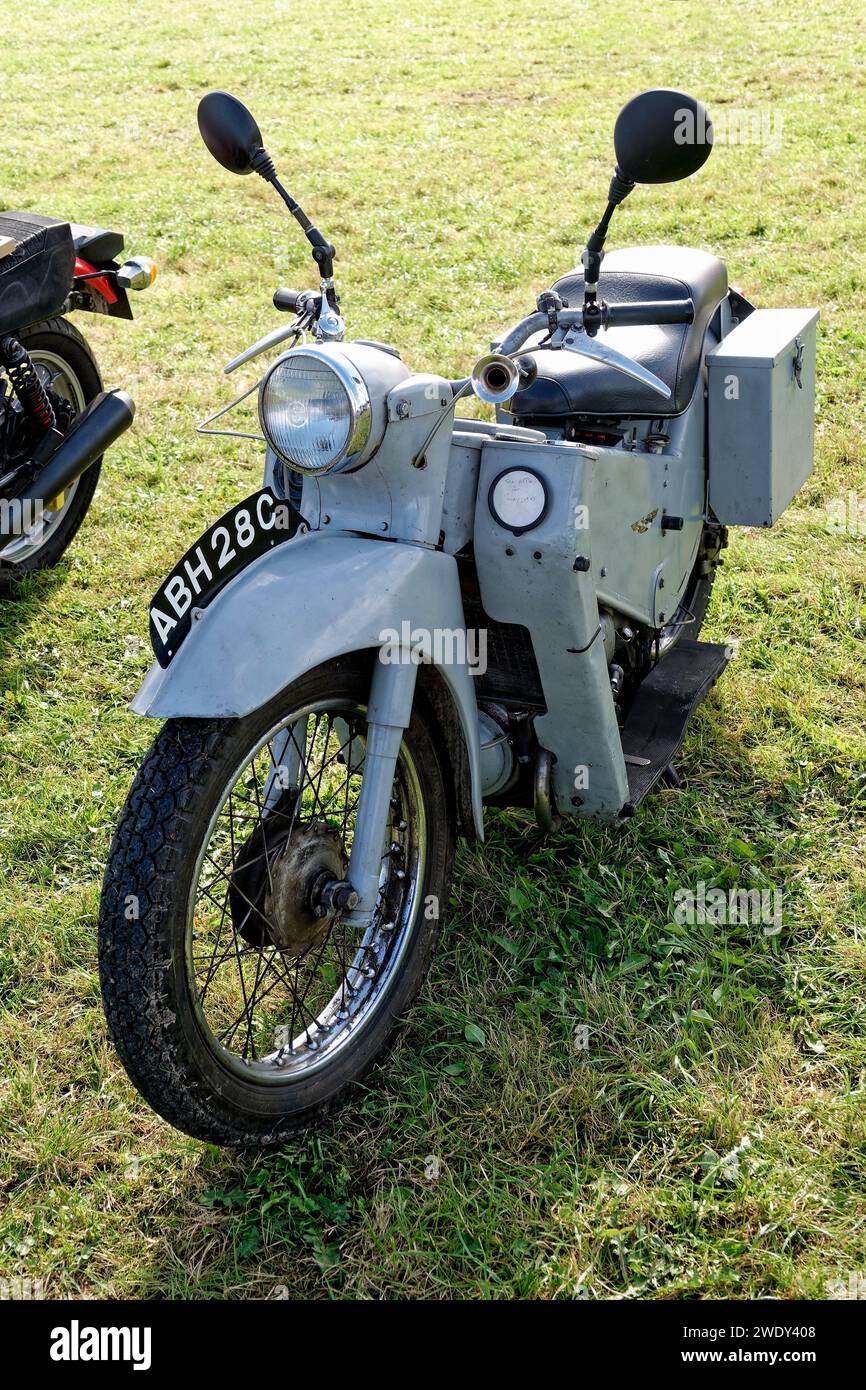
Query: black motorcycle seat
(94, 244)
(567, 384)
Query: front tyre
(240, 1014)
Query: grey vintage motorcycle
(419, 616)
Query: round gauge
(518, 499)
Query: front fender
(311, 599)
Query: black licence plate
(244, 533)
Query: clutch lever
(575, 340)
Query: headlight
(315, 410)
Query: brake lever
(299, 324)
(575, 340)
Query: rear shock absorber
(26, 383)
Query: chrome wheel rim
(278, 1015)
(57, 374)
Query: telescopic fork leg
(392, 692)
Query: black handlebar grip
(287, 300)
(650, 312)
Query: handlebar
(652, 311)
(287, 300)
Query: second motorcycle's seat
(94, 244)
(567, 384)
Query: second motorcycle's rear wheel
(65, 364)
(239, 1014)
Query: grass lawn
(709, 1141)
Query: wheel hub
(313, 855)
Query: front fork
(392, 691)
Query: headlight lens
(315, 410)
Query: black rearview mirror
(661, 136)
(229, 130)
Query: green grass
(457, 155)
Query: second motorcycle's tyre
(239, 1015)
(65, 362)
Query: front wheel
(240, 1014)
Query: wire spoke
(245, 973)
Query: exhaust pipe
(92, 432)
(496, 378)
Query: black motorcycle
(56, 421)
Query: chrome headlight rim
(358, 398)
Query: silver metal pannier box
(761, 415)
